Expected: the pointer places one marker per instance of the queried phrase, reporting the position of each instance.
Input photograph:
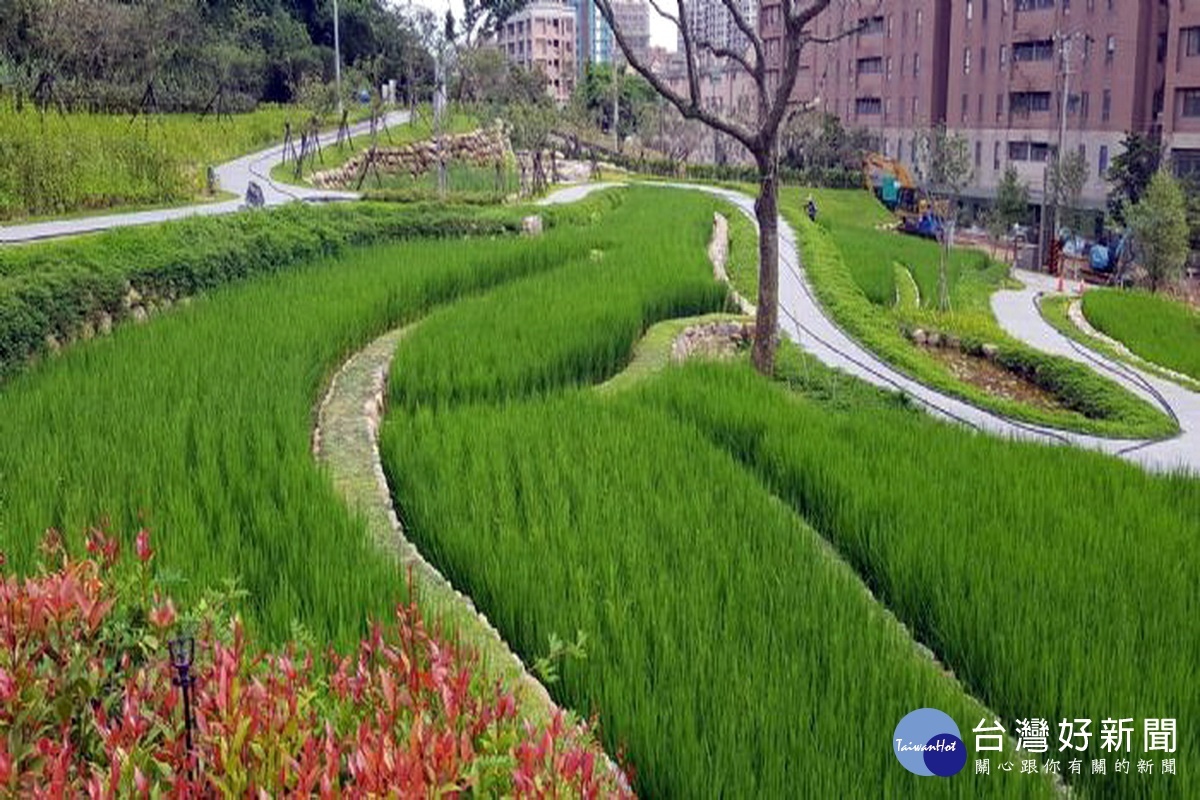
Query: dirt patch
(995, 379)
(712, 340)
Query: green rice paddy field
(1162, 331)
(709, 530)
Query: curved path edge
(233, 176)
(345, 442)
(804, 320)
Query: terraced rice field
(713, 534)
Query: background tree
(482, 18)
(670, 134)
(942, 162)
(1068, 176)
(1130, 173)
(1159, 226)
(760, 136)
(530, 125)
(1011, 207)
(635, 98)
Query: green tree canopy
(1160, 229)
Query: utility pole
(1065, 42)
(337, 58)
(439, 104)
(616, 109)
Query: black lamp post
(183, 653)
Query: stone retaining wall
(483, 147)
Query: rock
(919, 337)
(933, 339)
(953, 342)
(104, 324)
(139, 314)
(52, 343)
(132, 298)
(990, 351)
(87, 331)
(532, 225)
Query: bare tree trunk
(766, 211)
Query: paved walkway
(1018, 313)
(804, 321)
(234, 176)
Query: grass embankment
(722, 637)
(199, 423)
(54, 164)
(58, 291)
(1055, 310)
(852, 266)
(332, 156)
(1162, 331)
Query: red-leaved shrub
(88, 706)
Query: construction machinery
(893, 184)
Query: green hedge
(60, 289)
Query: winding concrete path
(234, 176)
(804, 321)
(1018, 313)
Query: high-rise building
(542, 36)
(1179, 105)
(994, 71)
(710, 21)
(633, 20)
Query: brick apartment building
(993, 71)
(542, 36)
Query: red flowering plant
(88, 706)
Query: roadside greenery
(57, 164)
(850, 262)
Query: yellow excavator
(893, 184)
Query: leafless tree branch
(751, 34)
(669, 17)
(725, 52)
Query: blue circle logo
(927, 742)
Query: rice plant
(1055, 583)
(199, 425)
(1163, 331)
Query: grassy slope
(845, 234)
(54, 164)
(1160, 330)
(723, 637)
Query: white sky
(662, 33)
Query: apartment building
(633, 20)
(1180, 113)
(994, 71)
(710, 21)
(542, 36)
(1010, 60)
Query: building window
(1028, 151)
(1190, 41)
(996, 156)
(1110, 49)
(970, 9)
(1191, 102)
(1186, 163)
(1042, 50)
(982, 60)
(1106, 105)
(1018, 151)
(964, 107)
(1083, 106)
(1034, 5)
(916, 65)
(870, 26)
(870, 66)
(978, 155)
(1103, 161)
(868, 106)
(1003, 56)
(966, 61)
(889, 68)
(999, 107)
(984, 10)
(1023, 103)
